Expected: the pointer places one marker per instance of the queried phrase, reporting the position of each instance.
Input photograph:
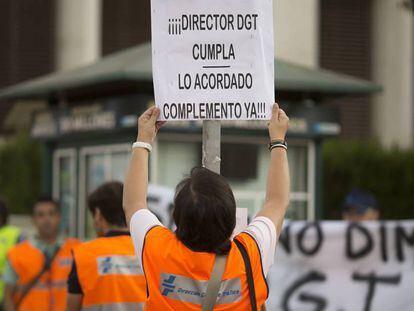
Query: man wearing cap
(360, 206)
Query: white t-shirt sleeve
(263, 231)
(141, 222)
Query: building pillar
(296, 31)
(393, 68)
(78, 32)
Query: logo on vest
(168, 285)
(118, 265)
(106, 265)
(181, 288)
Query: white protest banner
(213, 60)
(340, 266)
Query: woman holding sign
(199, 266)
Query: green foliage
(388, 174)
(20, 173)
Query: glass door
(245, 161)
(98, 165)
(64, 188)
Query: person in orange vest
(105, 272)
(37, 269)
(199, 266)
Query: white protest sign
(341, 266)
(213, 60)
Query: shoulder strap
(249, 274)
(46, 267)
(214, 283)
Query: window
(98, 165)
(245, 163)
(175, 160)
(239, 161)
(250, 193)
(64, 189)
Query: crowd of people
(135, 262)
(50, 272)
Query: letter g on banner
(318, 301)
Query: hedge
(387, 173)
(20, 173)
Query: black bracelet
(278, 144)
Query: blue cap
(360, 201)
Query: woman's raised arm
(136, 180)
(278, 180)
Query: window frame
(84, 152)
(57, 155)
(308, 196)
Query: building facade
(370, 39)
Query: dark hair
(46, 199)
(205, 212)
(108, 199)
(4, 212)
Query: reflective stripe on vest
(189, 290)
(177, 277)
(116, 307)
(118, 265)
(109, 273)
(50, 291)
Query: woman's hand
(148, 125)
(278, 124)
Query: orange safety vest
(49, 293)
(177, 277)
(109, 274)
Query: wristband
(140, 144)
(278, 144)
